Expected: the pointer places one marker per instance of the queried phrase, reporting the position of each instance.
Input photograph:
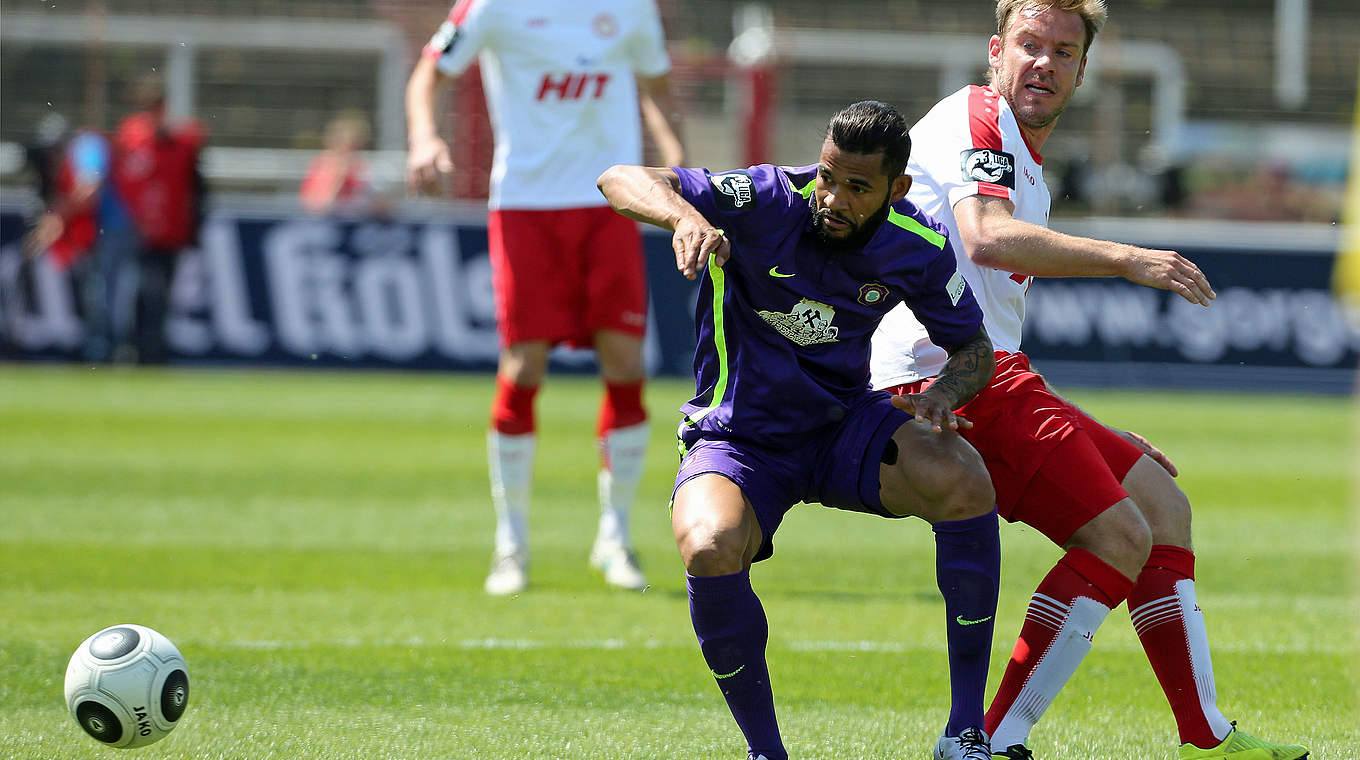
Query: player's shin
(732, 631)
(1060, 625)
(511, 462)
(623, 451)
(968, 570)
(1170, 624)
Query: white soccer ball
(127, 686)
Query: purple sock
(968, 570)
(731, 627)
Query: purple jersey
(783, 327)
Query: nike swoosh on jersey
(774, 272)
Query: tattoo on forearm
(968, 370)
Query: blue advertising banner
(1273, 326)
(272, 286)
(287, 289)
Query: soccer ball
(127, 686)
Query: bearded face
(839, 233)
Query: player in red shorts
(564, 84)
(1105, 496)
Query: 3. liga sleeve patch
(955, 287)
(444, 37)
(736, 190)
(987, 165)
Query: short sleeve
(961, 150)
(738, 202)
(943, 302)
(457, 41)
(648, 46)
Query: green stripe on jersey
(805, 190)
(715, 273)
(911, 225)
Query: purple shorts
(836, 466)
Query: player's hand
(1171, 271)
(932, 408)
(427, 162)
(694, 241)
(1153, 452)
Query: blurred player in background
(156, 172)
(1106, 496)
(86, 229)
(798, 266)
(564, 85)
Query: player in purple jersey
(799, 265)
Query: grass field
(315, 543)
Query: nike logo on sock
(961, 621)
(721, 676)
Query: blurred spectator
(156, 170)
(338, 176)
(43, 155)
(85, 229)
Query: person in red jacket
(156, 172)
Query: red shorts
(1053, 466)
(562, 274)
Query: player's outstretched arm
(428, 157)
(968, 370)
(653, 196)
(993, 237)
(661, 116)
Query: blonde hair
(1092, 13)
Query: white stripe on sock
(1054, 669)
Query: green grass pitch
(315, 543)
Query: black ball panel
(175, 695)
(99, 722)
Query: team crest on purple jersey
(872, 293)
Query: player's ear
(900, 185)
(994, 52)
(1081, 72)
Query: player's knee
(971, 493)
(1119, 536)
(1163, 504)
(960, 488)
(709, 552)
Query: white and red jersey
(968, 144)
(560, 86)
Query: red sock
(622, 407)
(1078, 574)
(512, 410)
(1171, 626)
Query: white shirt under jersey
(560, 89)
(968, 144)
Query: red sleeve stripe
(460, 11)
(984, 118)
(996, 191)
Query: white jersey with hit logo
(968, 144)
(560, 88)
